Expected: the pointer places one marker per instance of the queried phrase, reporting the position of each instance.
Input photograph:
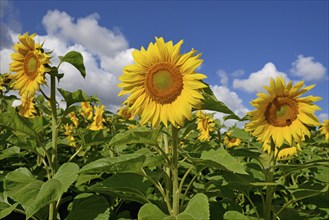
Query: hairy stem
(174, 171)
(269, 188)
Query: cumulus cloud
(85, 31)
(222, 76)
(308, 69)
(258, 79)
(231, 100)
(105, 54)
(237, 73)
(323, 116)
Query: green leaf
(6, 209)
(74, 97)
(15, 122)
(67, 174)
(9, 152)
(34, 194)
(220, 158)
(212, 103)
(240, 133)
(124, 163)
(140, 135)
(197, 207)
(150, 211)
(76, 59)
(233, 215)
(128, 186)
(89, 206)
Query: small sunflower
(324, 129)
(163, 84)
(98, 118)
(74, 119)
(29, 62)
(27, 108)
(231, 141)
(282, 114)
(68, 131)
(206, 125)
(86, 110)
(125, 113)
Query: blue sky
(242, 42)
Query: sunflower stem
(269, 188)
(52, 206)
(174, 171)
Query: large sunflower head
(206, 125)
(282, 115)
(231, 141)
(324, 129)
(29, 62)
(163, 84)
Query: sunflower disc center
(233, 140)
(164, 83)
(281, 112)
(31, 64)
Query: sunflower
(125, 113)
(282, 152)
(282, 115)
(27, 108)
(68, 131)
(87, 110)
(205, 125)
(325, 129)
(29, 62)
(163, 84)
(231, 141)
(74, 119)
(98, 118)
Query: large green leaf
(240, 133)
(15, 122)
(76, 59)
(198, 207)
(34, 194)
(124, 163)
(212, 103)
(74, 97)
(150, 211)
(140, 135)
(89, 206)
(221, 159)
(128, 186)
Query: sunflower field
(163, 155)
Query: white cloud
(308, 69)
(237, 73)
(85, 31)
(105, 53)
(258, 79)
(223, 77)
(232, 101)
(323, 116)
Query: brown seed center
(164, 83)
(31, 64)
(281, 112)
